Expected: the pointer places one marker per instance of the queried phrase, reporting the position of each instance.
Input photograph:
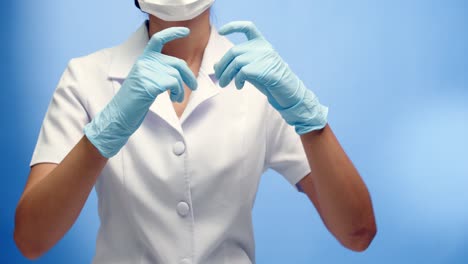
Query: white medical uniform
(181, 190)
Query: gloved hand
(257, 62)
(152, 74)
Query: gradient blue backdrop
(394, 74)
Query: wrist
(307, 114)
(92, 150)
(106, 134)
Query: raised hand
(152, 74)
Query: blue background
(394, 74)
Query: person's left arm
(334, 185)
(337, 191)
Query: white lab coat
(180, 191)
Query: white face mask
(175, 10)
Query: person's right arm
(55, 194)
(53, 198)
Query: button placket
(183, 208)
(178, 148)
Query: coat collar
(125, 55)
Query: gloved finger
(158, 40)
(187, 75)
(176, 90)
(235, 51)
(244, 74)
(175, 74)
(232, 69)
(246, 27)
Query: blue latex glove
(152, 74)
(257, 62)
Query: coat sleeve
(285, 153)
(64, 120)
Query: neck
(190, 48)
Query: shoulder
(91, 70)
(93, 64)
(86, 78)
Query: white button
(178, 148)
(185, 261)
(183, 208)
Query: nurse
(174, 129)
